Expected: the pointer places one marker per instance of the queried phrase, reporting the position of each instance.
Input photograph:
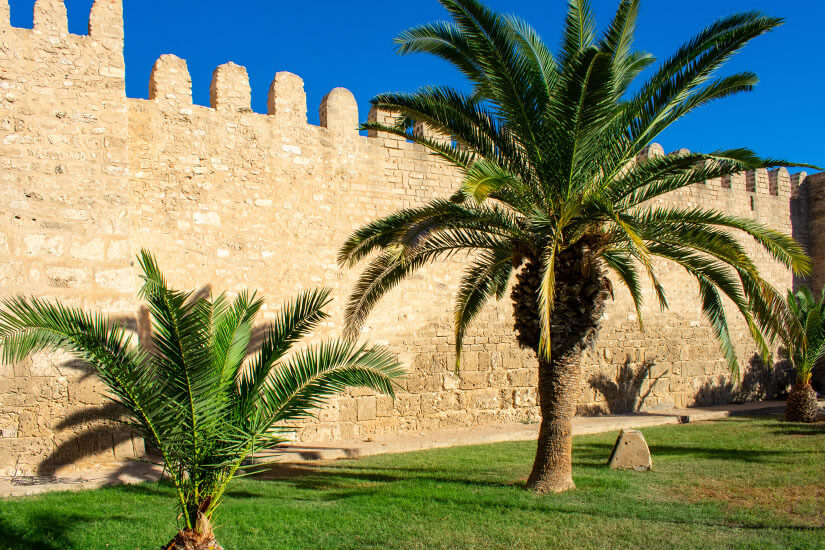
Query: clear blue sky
(349, 43)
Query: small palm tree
(805, 350)
(192, 392)
(557, 191)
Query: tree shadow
(320, 477)
(818, 377)
(333, 483)
(624, 394)
(800, 429)
(101, 427)
(721, 453)
(591, 455)
(761, 381)
(107, 435)
(89, 443)
(40, 531)
(555, 504)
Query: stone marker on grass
(630, 452)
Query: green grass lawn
(739, 483)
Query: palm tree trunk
(801, 405)
(200, 538)
(581, 293)
(559, 388)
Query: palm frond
(486, 277)
(579, 30)
(314, 374)
(294, 320)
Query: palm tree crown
(807, 349)
(553, 182)
(192, 391)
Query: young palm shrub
(192, 392)
(805, 351)
(556, 190)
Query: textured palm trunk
(559, 388)
(200, 538)
(581, 293)
(802, 405)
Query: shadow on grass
(43, 530)
(332, 477)
(40, 533)
(588, 458)
(793, 428)
(327, 484)
(598, 453)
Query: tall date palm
(552, 190)
(192, 392)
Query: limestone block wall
(231, 199)
(65, 229)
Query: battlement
(773, 183)
(51, 20)
(170, 88)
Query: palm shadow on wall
(102, 427)
(760, 381)
(624, 394)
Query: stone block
(170, 82)
(287, 99)
(630, 452)
(43, 245)
(524, 397)
(66, 277)
(50, 17)
(472, 379)
(9, 423)
(91, 250)
(339, 111)
(120, 280)
(347, 409)
(408, 404)
(366, 408)
(349, 430)
(451, 381)
(230, 89)
(383, 406)
(118, 250)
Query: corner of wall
(815, 185)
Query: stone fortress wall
(231, 199)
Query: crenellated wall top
(51, 19)
(170, 88)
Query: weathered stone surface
(232, 199)
(630, 452)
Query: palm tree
(191, 392)
(805, 350)
(552, 191)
